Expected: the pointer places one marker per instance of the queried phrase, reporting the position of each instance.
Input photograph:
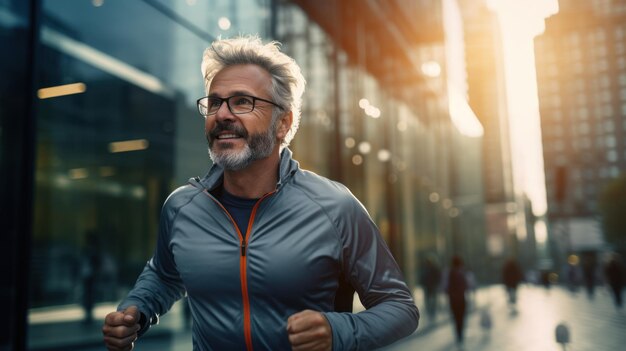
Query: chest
(284, 256)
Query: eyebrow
(232, 93)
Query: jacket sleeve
(390, 312)
(159, 284)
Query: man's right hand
(120, 329)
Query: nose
(223, 112)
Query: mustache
(227, 127)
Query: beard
(258, 146)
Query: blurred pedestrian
(512, 275)
(571, 275)
(614, 273)
(260, 245)
(90, 274)
(589, 263)
(430, 280)
(544, 278)
(456, 288)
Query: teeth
(227, 136)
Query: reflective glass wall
(117, 131)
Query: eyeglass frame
(227, 100)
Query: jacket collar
(286, 168)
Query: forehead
(241, 78)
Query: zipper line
(247, 329)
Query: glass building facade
(98, 125)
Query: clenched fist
(120, 329)
(309, 331)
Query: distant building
(484, 57)
(581, 77)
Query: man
(512, 276)
(614, 273)
(260, 245)
(431, 281)
(456, 287)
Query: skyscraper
(487, 98)
(581, 75)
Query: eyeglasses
(237, 104)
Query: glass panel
(117, 131)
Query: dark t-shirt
(239, 208)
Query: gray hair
(287, 81)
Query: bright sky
(522, 20)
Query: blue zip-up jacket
(243, 287)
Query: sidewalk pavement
(594, 324)
(63, 328)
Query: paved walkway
(594, 325)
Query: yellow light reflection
(61, 90)
(573, 260)
(128, 145)
(78, 173)
(357, 160)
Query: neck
(254, 181)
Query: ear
(284, 124)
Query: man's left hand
(309, 331)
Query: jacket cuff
(342, 326)
(146, 323)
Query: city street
(593, 324)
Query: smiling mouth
(227, 136)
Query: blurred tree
(612, 205)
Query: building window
(578, 67)
(599, 35)
(603, 172)
(599, 50)
(552, 70)
(615, 172)
(583, 128)
(612, 156)
(585, 143)
(559, 145)
(557, 130)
